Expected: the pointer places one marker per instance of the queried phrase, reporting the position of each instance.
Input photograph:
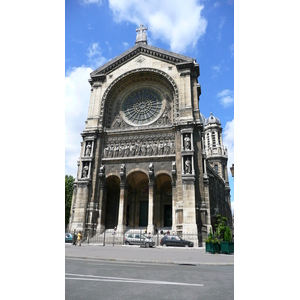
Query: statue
(187, 143)
(149, 149)
(116, 150)
(122, 170)
(88, 149)
(160, 148)
(154, 149)
(144, 149)
(121, 151)
(132, 149)
(188, 166)
(106, 151)
(126, 150)
(173, 167)
(151, 169)
(85, 171)
(172, 147)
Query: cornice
(181, 61)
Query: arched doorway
(163, 201)
(137, 200)
(112, 201)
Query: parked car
(68, 238)
(175, 241)
(139, 239)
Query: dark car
(68, 238)
(175, 241)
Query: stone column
(100, 227)
(80, 207)
(150, 227)
(120, 227)
(173, 206)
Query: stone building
(148, 157)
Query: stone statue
(121, 151)
(188, 166)
(116, 150)
(137, 149)
(132, 149)
(173, 167)
(187, 143)
(106, 151)
(101, 170)
(151, 169)
(154, 148)
(144, 149)
(149, 149)
(172, 147)
(122, 170)
(161, 148)
(126, 150)
(88, 149)
(85, 171)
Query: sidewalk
(161, 255)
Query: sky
(97, 31)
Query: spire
(141, 37)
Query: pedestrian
(168, 232)
(74, 238)
(161, 231)
(79, 238)
(146, 230)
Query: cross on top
(141, 36)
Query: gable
(180, 61)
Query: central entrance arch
(137, 199)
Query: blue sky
(96, 31)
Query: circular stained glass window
(142, 106)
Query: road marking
(125, 280)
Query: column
(173, 206)
(100, 227)
(150, 227)
(79, 215)
(120, 226)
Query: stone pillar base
(150, 228)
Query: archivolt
(130, 76)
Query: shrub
(227, 235)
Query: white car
(139, 239)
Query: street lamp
(232, 170)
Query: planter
(227, 247)
(212, 247)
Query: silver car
(139, 239)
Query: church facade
(149, 158)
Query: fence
(111, 237)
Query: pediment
(179, 60)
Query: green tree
(69, 180)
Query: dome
(212, 120)
(202, 118)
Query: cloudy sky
(96, 31)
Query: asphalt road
(87, 278)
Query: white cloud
(172, 21)
(95, 57)
(226, 98)
(228, 141)
(77, 97)
(87, 2)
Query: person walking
(74, 238)
(79, 238)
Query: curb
(152, 261)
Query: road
(102, 279)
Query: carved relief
(139, 145)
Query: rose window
(142, 106)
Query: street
(99, 279)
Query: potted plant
(227, 245)
(224, 235)
(212, 244)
